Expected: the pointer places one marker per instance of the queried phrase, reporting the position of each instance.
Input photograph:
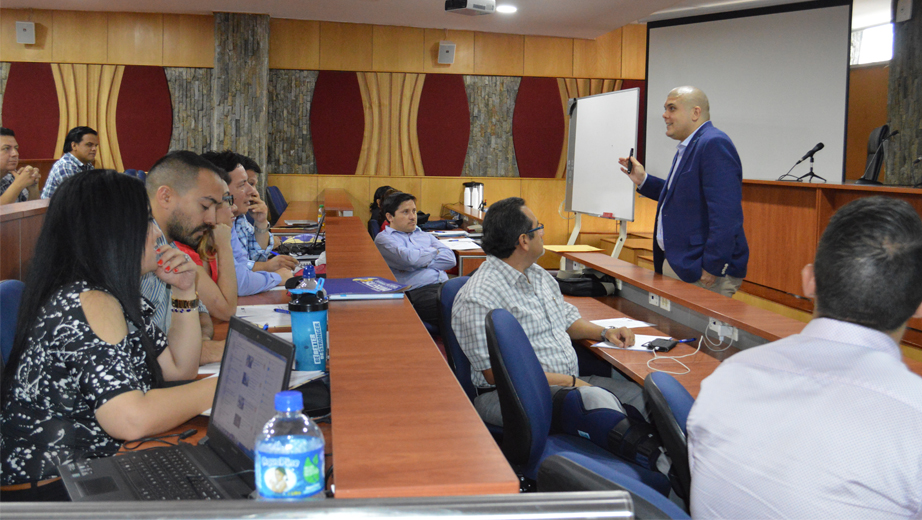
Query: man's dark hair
(249, 164)
(179, 170)
(226, 160)
(504, 223)
(7, 132)
(393, 201)
(868, 264)
(76, 135)
(379, 195)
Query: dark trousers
(425, 300)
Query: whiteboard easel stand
(569, 265)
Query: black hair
(868, 264)
(76, 136)
(393, 202)
(226, 160)
(504, 224)
(249, 164)
(7, 132)
(179, 170)
(95, 230)
(379, 195)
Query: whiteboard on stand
(603, 128)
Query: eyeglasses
(530, 231)
(229, 199)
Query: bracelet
(574, 381)
(184, 305)
(174, 309)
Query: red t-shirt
(213, 264)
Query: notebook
(256, 365)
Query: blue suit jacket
(702, 210)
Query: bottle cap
(289, 401)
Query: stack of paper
(461, 244)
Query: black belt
(481, 391)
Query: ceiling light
(506, 9)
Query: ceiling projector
(471, 7)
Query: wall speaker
(446, 52)
(25, 33)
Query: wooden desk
(336, 200)
(466, 211)
(20, 225)
(296, 210)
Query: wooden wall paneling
(413, 130)
(294, 44)
(543, 197)
(80, 37)
(780, 225)
(63, 119)
(41, 51)
(135, 38)
(397, 49)
(396, 157)
(498, 188)
(572, 87)
(406, 124)
(92, 95)
(345, 46)
(111, 135)
(10, 233)
(356, 186)
(384, 115)
(435, 191)
(584, 87)
(104, 157)
(599, 58)
(368, 157)
(595, 86)
(564, 150)
(867, 109)
(188, 40)
(80, 91)
(634, 51)
(547, 56)
(644, 214)
(464, 51)
(295, 187)
(411, 185)
(499, 54)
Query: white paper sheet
(622, 322)
(639, 341)
(262, 315)
(461, 244)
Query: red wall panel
(144, 117)
(537, 128)
(30, 108)
(443, 125)
(337, 122)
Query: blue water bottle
(289, 453)
(308, 308)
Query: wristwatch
(606, 329)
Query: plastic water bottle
(289, 453)
(320, 212)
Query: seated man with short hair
(16, 184)
(415, 257)
(80, 147)
(825, 423)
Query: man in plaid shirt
(509, 279)
(80, 147)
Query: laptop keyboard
(166, 475)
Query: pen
(689, 340)
(630, 163)
(266, 327)
(273, 253)
(283, 311)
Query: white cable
(674, 358)
(560, 212)
(713, 346)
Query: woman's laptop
(256, 365)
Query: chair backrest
(374, 227)
(277, 201)
(573, 471)
(875, 153)
(524, 395)
(456, 359)
(138, 174)
(10, 296)
(669, 404)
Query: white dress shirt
(824, 424)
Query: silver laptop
(256, 365)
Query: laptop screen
(251, 375)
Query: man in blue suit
(699, 234)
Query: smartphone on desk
(661, 344)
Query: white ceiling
(564, 18)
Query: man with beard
(184, 192)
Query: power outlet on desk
(723, 330)
(664, 304)
(653, 299)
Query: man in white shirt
(825, 423)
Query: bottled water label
(289, 467)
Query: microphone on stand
(818, 147)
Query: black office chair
(875, 158)
(669, 404)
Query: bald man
(699, 234)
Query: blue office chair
(577, 472)
(276, 202)
(525, 401)
(10, 296)
(138, 174)
(374, 227)
(457, 360)
(669, 404)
